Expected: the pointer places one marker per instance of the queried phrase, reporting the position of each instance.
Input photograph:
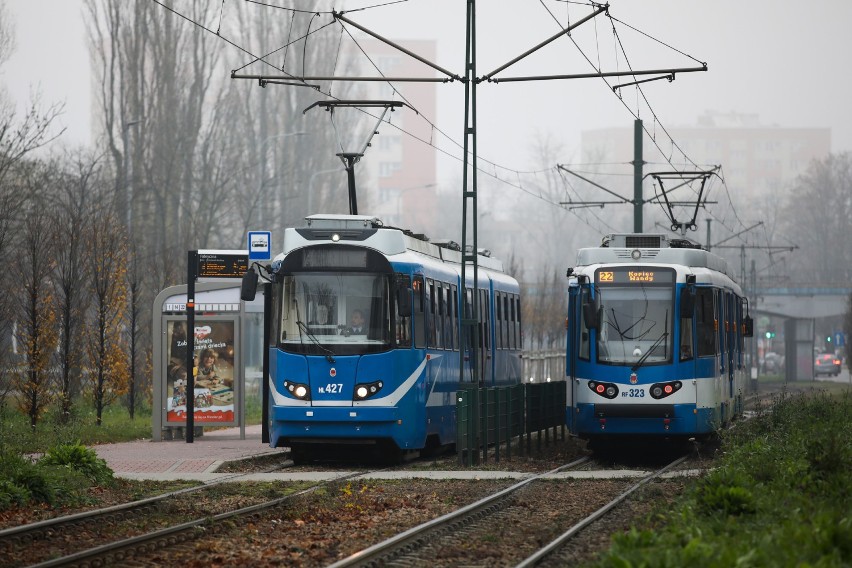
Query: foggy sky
(784, 61)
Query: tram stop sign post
(259, 245)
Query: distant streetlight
(401, 192)
(311, 186)
(128, 187)
(262, 159)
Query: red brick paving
(203, 455)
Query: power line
(338, 17)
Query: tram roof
(369, 231)
(650, 248)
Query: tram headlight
(298, 390)
(606, 390)
(366, 390)
(662, 390)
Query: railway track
(462, 537)
(176, 539)
(135, 528)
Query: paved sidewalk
(203, 455)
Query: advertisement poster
(214, 381)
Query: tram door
(572, 338)
(485, 359)
(731, 332)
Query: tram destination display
(221, 264)
(635, 275)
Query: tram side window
(499, 324)
(466, 339)
(507, 323)
(430, 313)
(448, 318)
(453, 304)
(484, 317)
(739, 332)
(403, 320)
(419, 313)
(513, 343)
(705, 322)
(720, 319)
(439, 315)
(686, 347)
(584, 331)
(504, 326)
(518, 336)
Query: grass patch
(53, 463)
(779, 496)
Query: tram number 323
(633, 393)
(331, 388)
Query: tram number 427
(331, 388)
(633, 393)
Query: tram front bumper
(352, 424)
(652, 419)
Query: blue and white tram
(392, 383)
(655, 340)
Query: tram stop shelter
(228, 350)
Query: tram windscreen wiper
(304, 329)
(300, 325)
(650, 350)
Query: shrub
(724, 492)
(38, 486)
(81, 459)
(12, 495)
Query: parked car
(773, 363)
(827, 364)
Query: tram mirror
(590, 315)
(403, 301)
(687, 303)
(248, 288)
(748, 327)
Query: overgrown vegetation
(779, 496)
(52, 464)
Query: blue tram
(655, 340)
(365, 337)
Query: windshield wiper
(304, 328)
(300, 325)
(650, 350)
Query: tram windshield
(323, 313)
(635, 324)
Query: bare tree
(134, 335)
(37, 332)
(7, 34)
(817, 216)
(72, 209)
(106, 347)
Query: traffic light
(770, 333)
(828, 339)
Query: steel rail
(142, 542)
(559, 541)
(370, 554)
(25, 531)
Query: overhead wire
(636, 115)
(657, 121)
(433, 126)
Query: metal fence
(494, 417)
(543, 366)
